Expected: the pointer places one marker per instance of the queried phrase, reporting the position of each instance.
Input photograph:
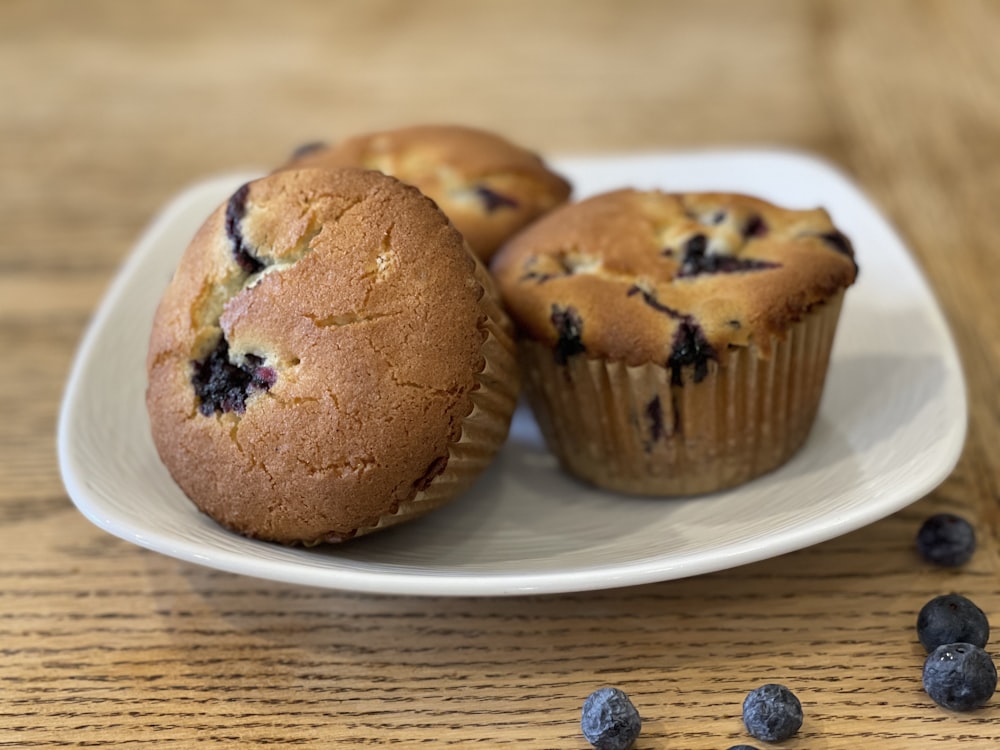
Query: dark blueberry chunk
(697, 261)
(609, 720)
(717, 218)
(532, 273)
(654, 413)
(222, 386)
(690, 349)
(650, 299)
(696, 265)
(492, 200)
(946, 540)
(951, 618)
(839, 242)
(537, 276)
(772, 713)
(308, 148)
(959, 676)
(235, 211)
(696, 246)
(561, 265)
(263, 376)
(742, 747)
(569, 327)
(755, 226)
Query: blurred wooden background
(108, 109)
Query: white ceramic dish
(891, 427)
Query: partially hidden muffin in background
(489, 187)
(675, 344)
(329, 359)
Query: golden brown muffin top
(646, 277)
(489, 187)
(312, 359)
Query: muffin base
(484, 429)
(628, 429)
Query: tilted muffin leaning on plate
(329, 359)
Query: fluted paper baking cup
(629, 429)
(485, 429)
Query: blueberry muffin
(675, 344)
(489, 187)
(329, 359)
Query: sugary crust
(628, 272)
(489, 187)
(367, 312)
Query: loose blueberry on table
(772, 713)
(959, 676)
(947, 540)
(951, 618)
(609, 720)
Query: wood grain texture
(108, 109)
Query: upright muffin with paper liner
(675, 344)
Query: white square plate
(891, 427)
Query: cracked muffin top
(646, 276)
(313, 357)
(489, 187)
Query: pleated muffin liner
(484, 429)
(629, 429)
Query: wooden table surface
(107, 110)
